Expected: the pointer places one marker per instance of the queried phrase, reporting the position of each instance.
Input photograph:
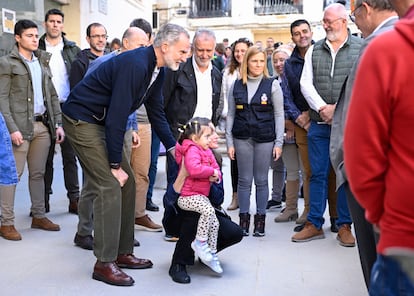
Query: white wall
(118, 17)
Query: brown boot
(291, 211)
(234, 202)
(303, 218)
(345, 237)
(45, 224)
(308, 233)
(10, 233)
(73, 206)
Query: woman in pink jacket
(192, 151)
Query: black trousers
(70, 170)
(229, 234)
(366, 237)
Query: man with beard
(95, 117)
(373, 17)
(327, 64)
(96, 37)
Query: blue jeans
(318, 146)
(388, 279)
(8, 171)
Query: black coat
(180, 95)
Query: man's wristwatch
(115, 165)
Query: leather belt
(38, 118)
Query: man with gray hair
(193, 90)
(372, 17)
(95, 117)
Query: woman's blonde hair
(253, 50)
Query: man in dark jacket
(96, 37)
(381, 18)
(193, 90)
(95, 117)
(63, 54)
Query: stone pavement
(48, 263)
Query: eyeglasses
(99, 36)
(352, 15)
(330, 23)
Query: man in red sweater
(379, 151)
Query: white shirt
(204, 107)
(227, 82)
(37, 84)
(309, 91)
(60, 76)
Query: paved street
(48, 263)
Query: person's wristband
(115, 165)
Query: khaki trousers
(140, 163)
(35, 153)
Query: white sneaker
(202, 250)
(215, 264)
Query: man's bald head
(133, 38)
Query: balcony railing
(209, 8)
(266, 7)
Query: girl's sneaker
(202, 250)
(215, 264)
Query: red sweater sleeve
(378, 141)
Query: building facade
(254, 19)
(115, 15)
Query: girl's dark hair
(193, 127)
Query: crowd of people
(328, 116)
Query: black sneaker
(273, 204)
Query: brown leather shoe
(73, 206)
(45, 224)
(145, 223)
(308, 233)
(132, 262)
(345, 237)
(10, 233)
(110, 273)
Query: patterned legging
(208, 225)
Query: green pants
(113, 206)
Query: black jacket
(180, 95)
(80, 66)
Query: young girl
(192, 151)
